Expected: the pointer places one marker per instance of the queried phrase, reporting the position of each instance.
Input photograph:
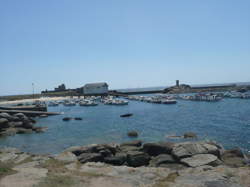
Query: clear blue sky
(127, 43)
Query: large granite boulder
(21, 116)
(104, 149)
(136, 143)
(162, 159)
(199, 160)
(4, 123)
(154, 149)
(136, 158)
(117, 160)
(128, 148)
(132, 134)
(187, 149)
(90, 157)
(6, 116)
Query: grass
(6, 169)
(54, 180)
(165, 182)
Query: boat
(53, 103)
(168, 101)
(87, 103)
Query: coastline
(154, 164)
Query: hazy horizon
(128, 44)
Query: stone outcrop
(17, 124)
(94, 167)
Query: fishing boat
(168, 101)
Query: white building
(95, 88)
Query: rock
(66, 157)
(27, 124)
(24, 131)
(66, 119)
(8, 132)
(116, 160)
(16, 124)
(6, 116)
(186, 149)
(199, 160)
(190, 135)
(129, 148)
(4, 123)
(173, 166)
(21, 116)
(90, 157)
(132, 134)
(234, 158)
(103, 149)
(40, 129)
(154, 149)
(162, 159)
(136, 143)
(126, 115)
(77, 118)
(136, 158)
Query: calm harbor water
(227, 122)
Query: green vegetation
(6, 169)
(54, 180)
(166, 182)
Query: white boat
(168, 101)
(53, 103)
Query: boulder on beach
(199, 160)
(190, 135)
(6, 116)
(187, 149)
(157, 148)
(66, 157)
(90, 157)
(136, 158)
(116, 160)
(132, 134)
(162, 159)
(66, 119)
(4, 123)
(21, 116)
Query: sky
(126, 43)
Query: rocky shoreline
(130, 164)
(17, 124)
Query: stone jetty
(130, 164)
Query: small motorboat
(126, 115)
(169, 101)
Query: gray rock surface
(199, 160)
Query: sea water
(226, 121)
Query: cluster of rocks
(17, 124)
(160, 154)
